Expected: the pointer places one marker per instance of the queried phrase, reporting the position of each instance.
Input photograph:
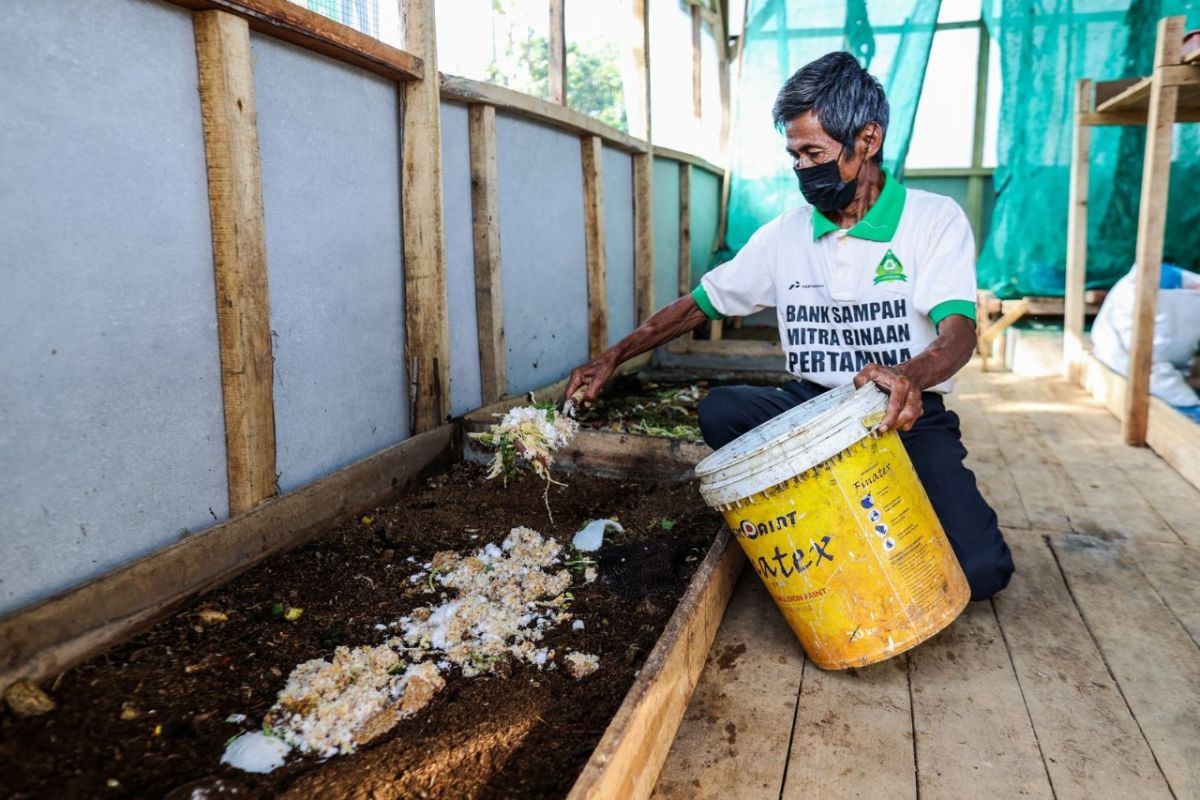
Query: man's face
(809, 145)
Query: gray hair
(844, 96)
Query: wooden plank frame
(49, 637)
(557, 46)
(1077, 228)
(427, 342)
(285, 20)
(643, 235)
(485, 222)
(1152, 222)
(235, 202)
(594, 239)
(696, 71)
(685, 227)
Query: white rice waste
(506, 598)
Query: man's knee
(718, 413)
(987, 569)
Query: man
(871, 282)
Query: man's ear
(871, 137)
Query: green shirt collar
(881, 220)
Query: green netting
(1045, 47)
(891, 39)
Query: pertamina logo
(889, 269)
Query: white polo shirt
(845, 298)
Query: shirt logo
(889, 269)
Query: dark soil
(661, 403)
(147, 718)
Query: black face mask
(823, 187)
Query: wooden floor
(1080, 680)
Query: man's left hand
(905, 405)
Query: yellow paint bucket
(835, 521)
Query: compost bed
(148, 718)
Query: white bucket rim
(789, 444)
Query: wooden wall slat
(643, 235)
(593, 231)
(226, 82)
(558, 53)
(485, 218)
(427, 329)
(1077, 225)
(685, 227)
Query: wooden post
(643, 164)
(485, 222)
(685, 227)
(975, 182)
(1077, 229)
(558, 53)
(1152, 218)
(428, 336)
(239, 255)
(696, 61)
(593, 231)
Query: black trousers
(935, 446)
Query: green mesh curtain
(891, 38)
(1045, 47)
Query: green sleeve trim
(701, 298)
(964, 308)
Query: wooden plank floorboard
(973, 733)
(1174, 573)
(1090, 742)
(1152, 657)
(733, 739)
(853, 735)
(984, 455)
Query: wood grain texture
(427, 342)
(1077, 222)
(235, 203)
(534, 108)
(57, 633)
(685, 227)
(688, 158)
(1147, 650)
(557, 46)
(1152, 222)
(643, 235)
(625, 764)
(729, 742)
(696, 71)
(594, 240)
(292, 23)
(637, 82)
(485, 223)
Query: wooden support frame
(995, 329)
(485, 222)
(696, 62)
(1152, 221)
(285, 20)
(637, 92)
(685, 227)
(643, 235)
(54, 635)
(227, 108)
(427, 343)
(593, 234)
(557, 45)
(1077, 228)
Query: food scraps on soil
(528, 436)
(506, 598)
(591, 536)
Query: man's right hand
(592, 376)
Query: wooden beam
(593, 232)
(1152, 220)
(558, 53)
(995, 329)
(696, 71)
(643, 235)
(685, 228)
(285, 20)
(239, 255)
(1077, 229)
(637, 87)
(427, 344)
(485, 222)
(1136, 117)
(54, 635)
(975, 182)
(626, 762)
(688, 158)
(534, 108)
